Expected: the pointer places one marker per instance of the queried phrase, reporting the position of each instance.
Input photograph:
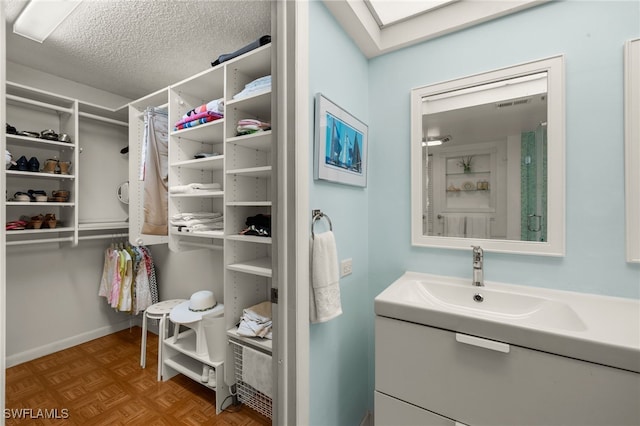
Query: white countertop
(607, 330)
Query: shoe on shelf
(50, 166)
(21, 196)
(205, 373)
(35, 222)
(34, 164)
(65, 167)
(50, 220)
(22, 164)
(212, 378)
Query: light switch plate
(346, 267)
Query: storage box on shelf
(196, 156)
(52, 166)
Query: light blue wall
(591, 35)
(339, 348)
(373, 225)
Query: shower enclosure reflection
(488, 180)
(488, 160)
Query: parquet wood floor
(101, 383)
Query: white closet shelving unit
(249, 191)
(243, 167)
(34, 110)
(184, 168)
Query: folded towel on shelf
(256, 321)
(196, 215)
(249, 125)
(454, 226)
(478, 227)
(216, 105)
(202, 229)
(259, 85)
(325, 285)
(192, 222)
(194, 187)
(193, 123)
(198, 116)
(256, 370)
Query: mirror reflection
(484, 161)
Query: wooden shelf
(260, 141)
(186, 344)
(264, 344)
(198, 194)
(37, 142)
(249, 239)
(38, 175)
(210, 133)
(207, 163)
(257, 172)
(38, 203)
(261, 267)
(249, 203)
(40, 231)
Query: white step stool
(159, 311)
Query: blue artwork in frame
(340, 145)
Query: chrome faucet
(478, 274)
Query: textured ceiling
(135, 47)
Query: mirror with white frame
(487, 161)
(632, 148)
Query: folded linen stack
(211, 111)
(246, 126)
(193, 188)
(256, 321)
(259, 85)
(198, 222)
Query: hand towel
(478, 227)
(454, 226)
(256, 370)
(325, 285)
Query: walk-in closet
(143, 134)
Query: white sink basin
(590, 327)
(500, 305)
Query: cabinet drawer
(390, 411)
(477, 385)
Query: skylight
(389, 12)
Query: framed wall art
(340, 145)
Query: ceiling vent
(513, 102)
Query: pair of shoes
(33, 165)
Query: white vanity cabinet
(427, 375)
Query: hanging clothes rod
(103, 236)
(200, 245)
(41, 241)
(316, 216)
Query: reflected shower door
(533, 185)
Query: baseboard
(50, 348)
(367, 420)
